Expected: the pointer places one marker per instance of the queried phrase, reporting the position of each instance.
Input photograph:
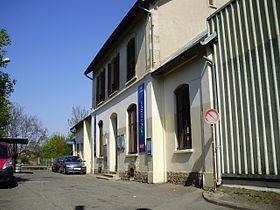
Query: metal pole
(214, 157)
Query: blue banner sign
(71, 141)
(141, 115)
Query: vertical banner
(141, 116)
(94, 134)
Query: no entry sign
(212, 116)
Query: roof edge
(118, 30)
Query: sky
(53, 42)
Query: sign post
(211, 117)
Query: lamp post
(4, 61)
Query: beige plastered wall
(79, 138)
(177, 22)
(87, 144)
(196, 74)
(116, 108)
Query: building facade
(247, 71)
(148, 126)
(159, 72)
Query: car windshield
(72, 159)
(4, 152)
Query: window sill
(113, 93)
(132, 155)
(183, 151)
(101, 102)
(212, 6)
(131, 81)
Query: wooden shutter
(103, 85)
(132, 129)
(110, 90)
(100, 125)
(117, 72)
(130, 59)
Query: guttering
(88, 76)
(209, 39)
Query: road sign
(212, 116)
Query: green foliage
(24, 159)
(6, 85)
(56, 147)
(4, 41)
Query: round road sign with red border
(212, 116)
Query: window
(100, 125)
(4, 151)
(100, 87)
(132, 129)
(78, 148)
(183, 117)
(211, 2)
(130, 52)
(113, 75)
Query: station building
(164, 66)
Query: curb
(210, 197)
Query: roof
(12, 140)
(130, 17)
(80, 122)
(4, 144)
(192, 49)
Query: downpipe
(217, 143)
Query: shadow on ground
(14, 183)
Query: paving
(48, 190)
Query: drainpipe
(88, 77)
(208, 39)
(151, 43)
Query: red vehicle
(6, 163)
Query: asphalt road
(42, 190)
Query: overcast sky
(53, 42)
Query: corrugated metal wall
(247, 68)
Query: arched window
(183, 116)
(130, 54)
(100, 125)
(132, 129)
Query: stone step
(108, 176)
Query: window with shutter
(183, 117)
(113, 75)
(130, 50)
(132, 129)
(100, 125)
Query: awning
(14, 140)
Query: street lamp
(6, 60)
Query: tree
(6, 85)
(56, 147)
(78, 114)
(24, 125)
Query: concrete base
(186, 179)
(253, 183)
(208, 181)
(150, 177)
